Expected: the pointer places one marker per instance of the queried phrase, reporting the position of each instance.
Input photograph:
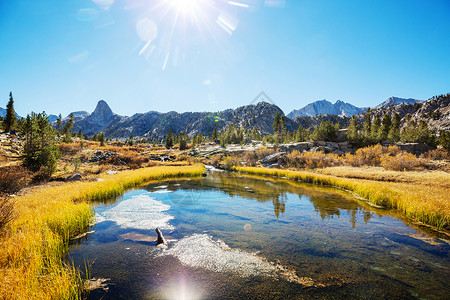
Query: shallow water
(243, 237)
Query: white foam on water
(201, 251)
(139, 212)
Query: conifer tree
(169, 139)
(394, 131)
(40, 150)
(59, 123)
(302, 134)
(375, 129)
(353, 132)
(10, 118)
(101, 138)
(385, 127)
(366, 127)
(276, 122)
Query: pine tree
(375, 129)
(385, 127)
(40, 150)
(59, 123)
(326, 131)
(200, 138)
(366, 127)
(169, 139)
(277, 122)
(10, 118)
(302, 134)
(214, 134)
(67, 128)
(353, 132)
(282, 122)
(424, 134)
(131, 140)
(444, 140)
(394, 131)
(101, 138)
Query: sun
(187, 7)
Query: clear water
(250, 238)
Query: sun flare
(187, 7)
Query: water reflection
(327, 202)
(225, 225)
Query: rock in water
(161, 239)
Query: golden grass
(427, 204)
(33, 248)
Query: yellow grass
(425, 203)
(33, 248)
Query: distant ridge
(321, 107)
(397, 101)
(153, 125)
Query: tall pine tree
(10, 118)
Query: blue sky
(63, 56)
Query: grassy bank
(427, 204)
(34, 245)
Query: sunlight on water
(139, 212)
(197, 251)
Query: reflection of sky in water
(139, 212)
(231, 234)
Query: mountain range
(321, 107)
(155, 125)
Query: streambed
(234, 236)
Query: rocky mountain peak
(102, 112)
(397, 101)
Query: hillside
(435, 112)
(397, 101)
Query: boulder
(74, 177)
(273, 158)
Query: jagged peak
(102, 107)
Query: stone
(273, 158)
(74, 177)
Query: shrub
(6, 211)
(370, 156)
(13, 179)
(311, 160)
(69, 148)
(437, 154)
(400, 162)
(250, 158)
(230, 161)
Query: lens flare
(187, 6)
(146, 30)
